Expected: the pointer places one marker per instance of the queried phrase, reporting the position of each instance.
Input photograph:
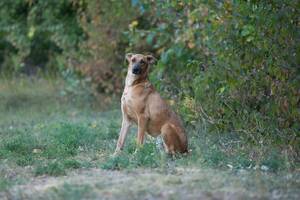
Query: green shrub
(36, 33)
(229, 64)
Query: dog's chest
(127, 98)
(128, 102)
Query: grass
(47, 134)
(75, 192)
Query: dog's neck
(132, 79)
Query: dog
(142, 104)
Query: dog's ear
(150, 59)
(128, 57)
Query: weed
(4, 183)
(20, 143)
(75, 192)
(71, 164)
(54, 168)
(116, 163)
(146, 156)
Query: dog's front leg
(142, 122)
(123, 133)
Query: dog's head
(138, 64)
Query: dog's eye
(143, 62)
(133, 60)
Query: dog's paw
(116, 153)
(136, 151)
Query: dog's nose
(136, 69)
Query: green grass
(75, 192)
(44, 133)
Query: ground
(57, 146)
(144, 184)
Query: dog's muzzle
(136, 69)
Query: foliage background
(232, 67)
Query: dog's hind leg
(172, 141)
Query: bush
(36, 33)
(56, 37)
(231, 64)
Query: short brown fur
(142, 104)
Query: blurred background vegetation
(229, 67)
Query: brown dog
(140, 103)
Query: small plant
(116, 163)
(54, 168)
(71, 164)
(21, 143)
(4, 183)
(146, 156)
(72, 191)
